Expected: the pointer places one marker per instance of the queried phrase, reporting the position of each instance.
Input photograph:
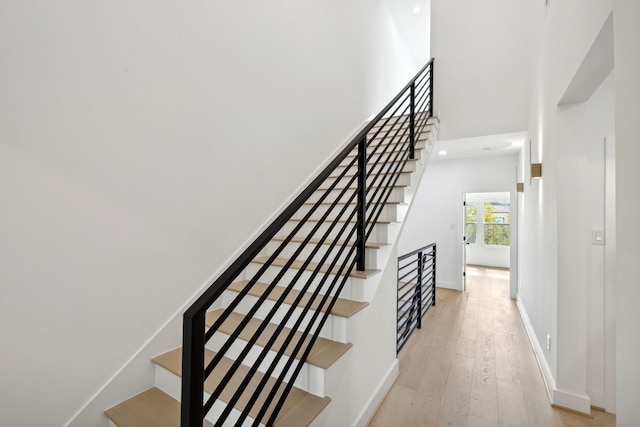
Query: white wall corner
(598, 398)
(378, 396)
(547, 376)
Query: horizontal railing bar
(316, 313)
(412, 262)
(409, 273)
(245, 321)
(406, 302)
(373, 199)
(424, 101)
(314, 337)
(422, 249)
(254, 309)
(278, 330)
(373, 137)
(375, 141)
(382, 198)
(409, 321)
(261, 271)
(216, 289)
(390, 178)
(402, 296)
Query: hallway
(472, 365)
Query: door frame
(610, 275)
(513, 248)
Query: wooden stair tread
(402, 121)
(382, 139)
(340, 221)
(342, 307)
(351, 203)
(370, 149)
(352, 174)
(344, 164)
(328, 241)
(300, 404)
(151, 408)
(280, 262)
(323, 354)
(355, 186)
(426, 129)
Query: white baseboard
(580, 403)
(577, 402)
(376, 398)
(448, 285)
(598, 398)
(549, 381)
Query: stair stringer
(371, 366)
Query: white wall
(582, 129)
(627, 94)
(481, 66)
(413, 28)
(142, 145)
(554, 245)
(437, 213)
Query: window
(497, 223)
(471, 222)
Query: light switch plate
(597, 236)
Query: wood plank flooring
(472, 365)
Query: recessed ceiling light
(442, 152)
(416, 10)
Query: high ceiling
(481, 146)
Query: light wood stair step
(324, 353)
(342, 307)
(354, 186)
(380, 151)
(341, 202)
(355, 164)
(300, 406)
(404, 121)
(281, 262)
(379, 143)
(395, 132)
(352, 174)
(151, 408)
(328, 241)
(341, 221)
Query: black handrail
(416, 290)
(337, 234)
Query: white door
(464, 242)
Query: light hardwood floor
(472, 365)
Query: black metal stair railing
(416, 290)
(335, 215)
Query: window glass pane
(470, 233)
(472, 212)
(497, 213)
(497, 234)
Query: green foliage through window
(497, 219)
(471, 221)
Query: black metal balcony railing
(339, 210)
(416, 290)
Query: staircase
(272, 340)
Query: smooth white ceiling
(480, 146)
